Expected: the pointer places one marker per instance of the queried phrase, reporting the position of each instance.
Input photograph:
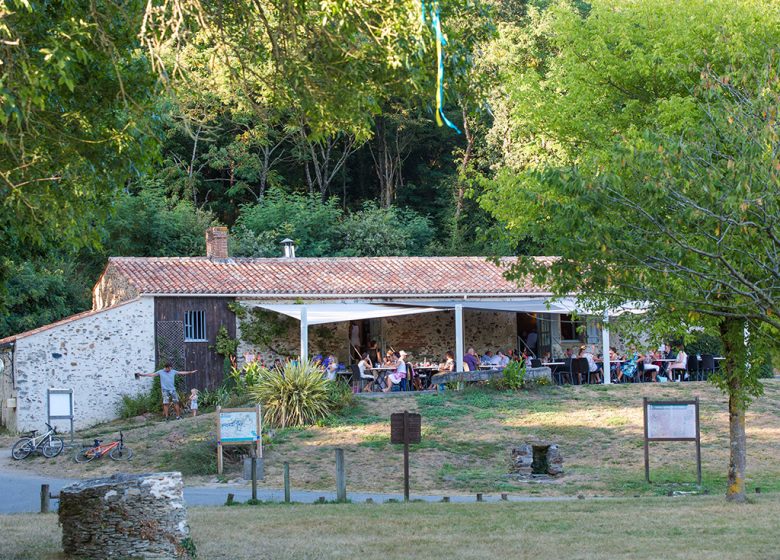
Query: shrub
(296, 396)
(514, 375)
(340, 395)
(211, 398)
(135, 405)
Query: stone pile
(126, 516)
(537, 459)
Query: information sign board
(239, 426)
(672, 421)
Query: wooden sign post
(405, 428)
(239, 426)
(672, 421)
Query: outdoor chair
(694, 369)
(536, 362)
(360, 381)
(639, 374)
(580, 367)
(707, 366)
(681, 371)
(559, 372)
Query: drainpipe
(605, 349)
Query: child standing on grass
(194, 401)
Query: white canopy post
(458, 338)
(304, 334)
(606, 374)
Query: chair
(694, 369)
(707, 365)
(559, 372)
(412, 379)
(360, 381)
(536, 362)
(639, 374)
(682, 371)
(580, 366)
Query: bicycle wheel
(84, 455)
(22, 448)
(123, 453)
(52, 447)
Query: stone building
(150, 310)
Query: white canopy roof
(319, 313)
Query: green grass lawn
(704, 527)
(466, 443)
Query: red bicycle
(117, 450)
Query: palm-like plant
(295, 396)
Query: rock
(126, 516)
(532, 459)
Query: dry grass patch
(467, 437)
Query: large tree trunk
(732, 336)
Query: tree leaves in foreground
(661, 184)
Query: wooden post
(286, 482)
(254, 476)
(219, 441)
(230, 499)
(44, 498)
(479, 497)
(647, 449)
(504, 496)
(259, 452)
(698, 445)
(406, 456)
(445, 499)
(341, 477)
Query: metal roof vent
(289, 248)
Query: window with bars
(195, 326)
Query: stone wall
(126, 516)
(7, 413)
(332, 338)
(430, 335)
(112, 288)
(95, 355)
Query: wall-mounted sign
(59, 406)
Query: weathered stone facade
(430, 335)
(126, 516)
(95, 355)
(112, 288)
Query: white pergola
(321, 313)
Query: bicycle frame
(98, 450)
(38, 440)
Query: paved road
(20, 492)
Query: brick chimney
(217, 243)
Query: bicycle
(49, 445)
(117, 450)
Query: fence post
(44, 498)
(286, 482)
(341, 477)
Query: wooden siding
(199, 355)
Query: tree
(660, 184)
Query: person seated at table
(630, 366)
(680, 365)
(488, 359)
(593, 368)
(390, 359)
(649, 366)
(448, 364)
(546, 357)
(569, 353)
(470, 360)
(614, 364)
(395, 377)
(365, 367)
(331, 368)
(502, 360)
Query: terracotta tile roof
(445, 276)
